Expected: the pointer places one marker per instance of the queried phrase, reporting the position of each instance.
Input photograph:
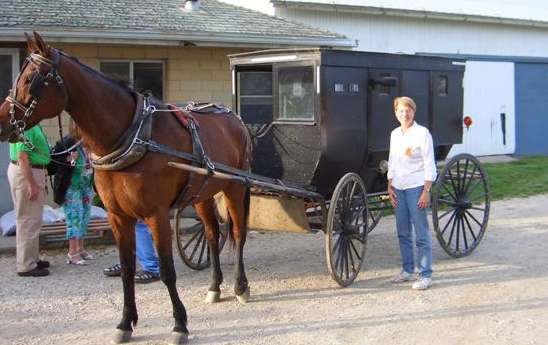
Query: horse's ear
(31, 45)
(41, 44)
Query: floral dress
(77, 203)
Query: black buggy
(321, 121)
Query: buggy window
(255, 96)
(296, 93)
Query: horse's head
(38, 92)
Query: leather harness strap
(188, 121)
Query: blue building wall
(531, 87)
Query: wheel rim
(461, 204)
(346, 233)
(192, 244)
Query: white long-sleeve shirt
(411, 160)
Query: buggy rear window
(296, 93)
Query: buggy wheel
(346, 231)
(460, 205)
(191, 241)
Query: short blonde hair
(408, 101)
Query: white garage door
(489, 101)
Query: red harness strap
(182, 116)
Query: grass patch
(525, 177)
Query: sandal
(86, 256)
(71, 260)
(113, 271)
(144, 277)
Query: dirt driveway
(498, 295)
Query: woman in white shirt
(411, 172)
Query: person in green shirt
(27, 180)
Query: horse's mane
(114, 82)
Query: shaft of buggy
(249, 180)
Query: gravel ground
(498, 295)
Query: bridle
(39, 81)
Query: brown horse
(51, 81)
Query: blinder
(37, 84)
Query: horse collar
(132, 144)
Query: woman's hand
(72, 157)
(392, 196)
(424, 199)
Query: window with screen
(142, 76)
(255, 96)
(443, 85)
(296, 93)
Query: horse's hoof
(213, 296)
(243, 298)
(178, 338)
(121, 337)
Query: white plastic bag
(51, 215)
(97, 213)
(7, 223)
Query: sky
(258, 5)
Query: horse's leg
(236, 197)
(206, 212)
(161, 234)
(123, 229)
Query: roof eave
(423, 14)
(171, 38)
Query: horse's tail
(247, 201)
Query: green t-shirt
(40, 154)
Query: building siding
(531, 108)
(381, 33)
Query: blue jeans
(408, 217)
(146, 255)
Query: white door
(9, 67)
(489, 101)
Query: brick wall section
(191, 73)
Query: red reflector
(467, 121)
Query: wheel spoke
(474, 218)
(458, 178)
(452, 180)
(447, 202)
(470, 181)
(458, 234)
(449, 192)
(197, 245)
(472, 187)
(448, 222)
(446, 213)
(351, 258)
(196, 234)
(470, 228)
(355, 250)
(452, 230)
(345, 249)
(464, 176)
(464, 234)
(204, 245)
(477, 208)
